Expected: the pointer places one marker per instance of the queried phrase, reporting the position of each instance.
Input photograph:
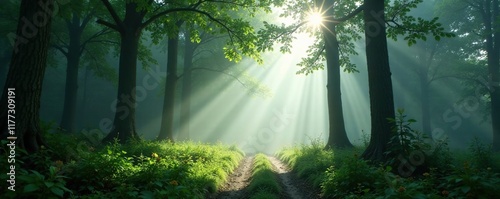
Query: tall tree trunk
(490, 17)
(494, 71)
(26, 73)
(166, 130)
(124, 122)
(424, 103)
(337, 133)
(379, 80)
(73, 63)
(186, 88)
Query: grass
(343, 174)
(140, 169)
(264, 183)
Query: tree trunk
(494, 70)
(337, 133)
(186, 89)
(124, 122)
(379, 80)
(73, 63)
(26, 73)
(166, 130)
(493, 53)
(424, 103)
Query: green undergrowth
(264, 184)
(139, 169)
(344, 174)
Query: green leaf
(59, 192)
(465, 189)
(48, 184)
(147, 194)
(30, 188)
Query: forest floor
(293, 188)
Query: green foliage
(481, 154)
(348, 32)
(412, 28)
(136, 170)
(36, 184)
(471, 182)
(264, 181)
(461, 176)
(308, 161)
(404, 141)
(215, 18)
(354, 177)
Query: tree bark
(124, 123)
(337, 133)
(186, 89)
(379, 80)
(73, 63)
(166, 130)
(26, 73)
(494, 72)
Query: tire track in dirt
(237, 182)
(294, 188)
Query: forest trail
(293, 188)
(237, 181)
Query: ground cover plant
(139, 169)
(264, 183)
(468, 174)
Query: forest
(255, 99)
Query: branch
(109, 25)
(116, 18)
(86, 20)
(350, 15)
(60, 49)
(94, 36)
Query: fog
(262, 108)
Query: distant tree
(80, 39)
(204, 60)
(139, 14)
(26, 72)
(166, 129)
(477, 23)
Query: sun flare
(314, 19)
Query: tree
(326, 47)
(379, 79)
(185, 113)
(140, 14)
(166, 130)
(337, 133)
(80, 39)
(477, 21)
(380, 85)
(20, 103)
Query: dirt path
(294, 188)
(237, 181)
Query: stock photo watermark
(30, 27)
(11, 138)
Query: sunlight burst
(315, 19)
